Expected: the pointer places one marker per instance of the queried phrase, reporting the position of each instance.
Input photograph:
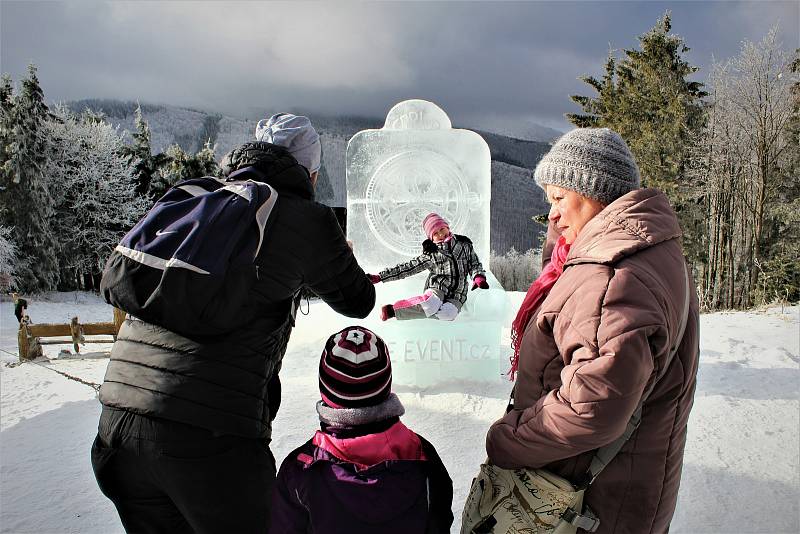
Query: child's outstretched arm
(409, 268)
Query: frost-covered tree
(182, 166)
(97, 201)
(744, 168)
(779, 277)
(30, 145)
(27, 204)
(6, 126)
(90, 115)
(206, 163)
(8, 259)
(8, 250)
(140, 155)
(515, 271)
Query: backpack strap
(236, 175)
(605, 454)
(265, 210)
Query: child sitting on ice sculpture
(364, 471)
(452, 262)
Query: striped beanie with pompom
(433, 222)
(355, 369)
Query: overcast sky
(519, 59)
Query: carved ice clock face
(415, 165)
(407, 187)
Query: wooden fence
(31, 337)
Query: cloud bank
(473, 59)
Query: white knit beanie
(296, 134)
(594, 162)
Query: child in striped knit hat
(364, 471)
(451, 261)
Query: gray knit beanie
(296, 134)
(594, 162)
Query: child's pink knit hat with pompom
(432, 223)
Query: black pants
(165, 476)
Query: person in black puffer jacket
(183, 439)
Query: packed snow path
(741, 472)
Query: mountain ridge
(515, 197)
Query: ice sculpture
(414, 165)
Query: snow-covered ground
(741, 472)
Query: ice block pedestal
(417, 164)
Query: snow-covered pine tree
(8, 250)
(648, 98)
(25, 190)
(140, 155)
(170, 173)
(30, 145)
(8, 259)
(181, 166)
(206, 162)
(6, 126)
(90, 115)
(97, 203)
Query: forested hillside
(515, 198)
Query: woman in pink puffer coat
(597, 336)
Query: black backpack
(189, 264)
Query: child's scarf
(539, 289)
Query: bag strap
(605, 454)
(587, 521)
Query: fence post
(22, 341)
(119, 318)
(77, 336)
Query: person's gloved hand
(479, 282)
(374, 278)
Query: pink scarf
(538, 291)
(395, 443)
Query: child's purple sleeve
(287, 513)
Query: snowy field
(741, 472)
